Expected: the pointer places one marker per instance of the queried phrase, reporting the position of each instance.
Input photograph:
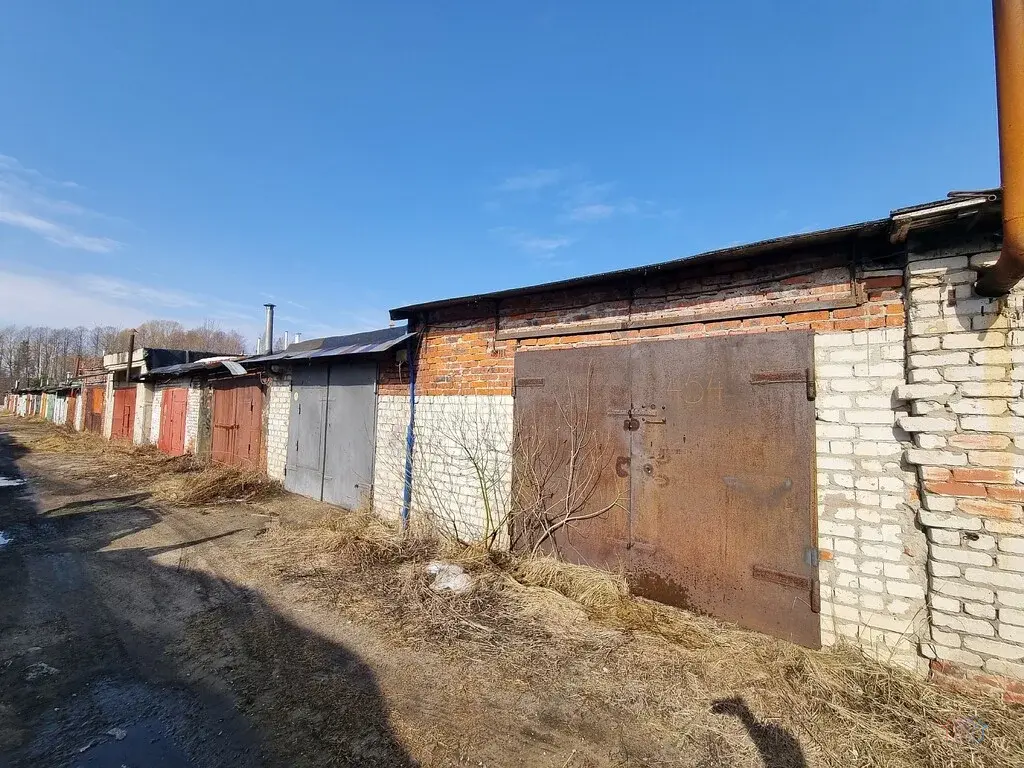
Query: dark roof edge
(806, 239)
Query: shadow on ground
(777, 747)
(116, 655)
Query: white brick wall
(389, 455)
(873, 587)
(970, 458)
(108, 407)
(80, 411)
(447, 489)
(154, 426)
(142, 427)
(195, 395)
(278, 413)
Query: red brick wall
(459, 354)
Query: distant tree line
(42, 356)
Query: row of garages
(737, 432)
(305, 416)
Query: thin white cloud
(532, 243)
(28, 202)
(42, 300)
(531, 181)
(592, 212)
(64, 299)
(113, 288)
(545, 244)
(54, 232)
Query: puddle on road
(144, 743)
(10, 481)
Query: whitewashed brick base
(195, 395)
(873, 587)
(278, 413)
(154, 425)
(143, 425)
(448, 490)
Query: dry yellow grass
(664, 669)
(180, 480)
(668, 665)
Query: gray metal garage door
(331, 432)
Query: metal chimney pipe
(297, 339)
(1008, 31)
(131, 354)
(268, 344)
(286, 339)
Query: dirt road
(119, 647)
(134, 633)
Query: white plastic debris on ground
(6, 481)
(448, 577)
(4, 539)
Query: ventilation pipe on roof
(298, 338)
(268, 335)
(1008, 26)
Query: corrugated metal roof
(338, 346)
(208, 363)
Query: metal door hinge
(811, 556)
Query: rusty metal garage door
(69, 417)
(93, 421)
(237, 423)
(123, 424)
(173, 407)
(572, 454)
(720, 508)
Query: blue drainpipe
(410, 436)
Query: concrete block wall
(966, 368)
(872, 570)
(279, 391)
(195, 396)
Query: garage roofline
(761, 248)
(894, 228)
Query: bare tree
(41, 356)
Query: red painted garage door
(173, 406)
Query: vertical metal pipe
(410, 435)
(1008, 32)
(131, 354)
(268, 344)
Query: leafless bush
(558, 472)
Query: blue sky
(193, 160)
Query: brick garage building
(914, 450)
